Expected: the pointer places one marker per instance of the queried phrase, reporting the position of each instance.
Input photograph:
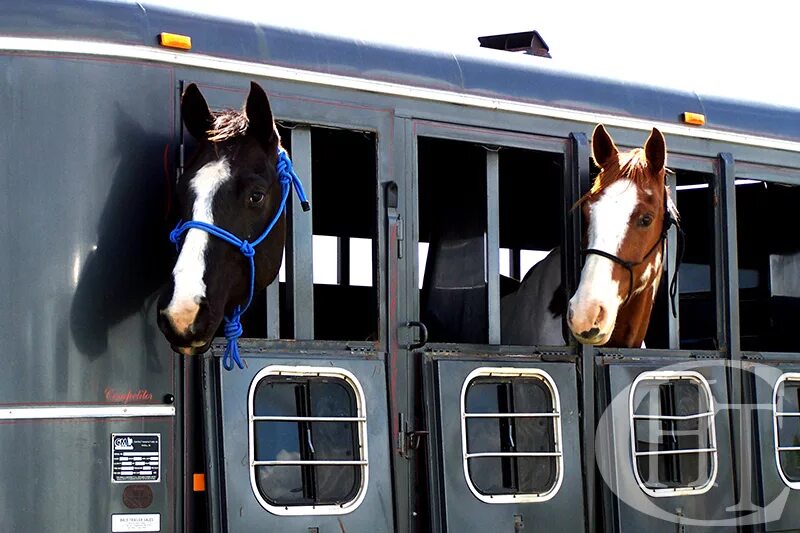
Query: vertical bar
(343, 266)
(575, 183)
(493, 243)
(673, 322)
(211, 416)
(273, 310)
(726, 262)
(726, 270)
(299, 242)
(515, 264)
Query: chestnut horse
(626, 217)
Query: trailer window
(462, 274)
(769, 265)
(786, 424)
(511, 435)
(672, 433)
(696, 299)
(343, 183)
(308, 450)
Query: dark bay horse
(626, 217)
(234, 183)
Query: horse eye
(645, 221)
(256, 198)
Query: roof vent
(529, 42)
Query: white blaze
(609, 219)
(191, 264)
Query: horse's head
(231, 182)
(626, 216)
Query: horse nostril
(200, 300)
(590, 334)
(601, 316)
(571, 314)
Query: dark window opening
(452, 222)
(673, 434)
(344, 241)
(530, 186)
(453, 230)
(696, 301)
(769, 265)
(497, 445)
(303, 455)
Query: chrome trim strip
(189, 59)
(332, 462)
(675, 452)
(511, 415)
(511, 454)
(256, 418)
(87, 411)
(673, 417)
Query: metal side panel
(241, 508)
(455, 507)
(57, 476)
(780, 503)
(89, 140)
(636, 510)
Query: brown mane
(228, 124)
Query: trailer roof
(490, 73)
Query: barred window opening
(786, 425)
(673, 437)
(511, 435)
(307, 440)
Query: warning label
(135, 457)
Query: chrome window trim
(787, 376)
(361, 420)
(555, 416)
(712, 439)
(191, 59)
(56, 412)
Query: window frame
(511, 372)
(712, 450)
(360, 419)
(786, 376)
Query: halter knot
(247, 249)
(233, 330)
(175, 234)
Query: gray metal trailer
(440, 176)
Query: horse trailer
(377, 393)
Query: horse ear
(196, 115)
(655, 148)
(604, 151)
(259, 117)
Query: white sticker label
(135, 522)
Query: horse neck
(634, 317)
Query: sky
(744, 50)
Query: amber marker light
(696, 119)
(174, 40)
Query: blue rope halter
(233, 326)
